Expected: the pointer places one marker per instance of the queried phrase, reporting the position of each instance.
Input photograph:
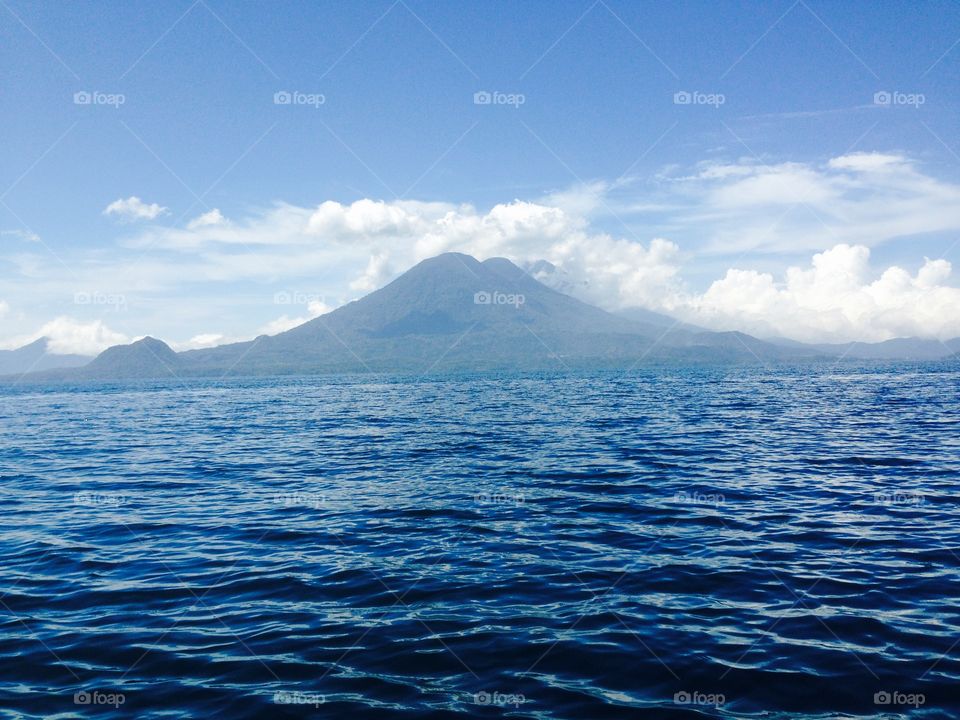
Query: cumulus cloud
(836, 298)
(67, 336)
(213, 217)
(362, 218)
(4, 307)
(133, 208)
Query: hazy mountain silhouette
(36, 357)
(895, 349)
(452, 313)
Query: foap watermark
(297, 298)
(300, 499)
(296, 697)
(897, 697)
(499, 699)
(698, 498)
(486, 97)
(99, 697)
(93, 499)
(496, 297)
(699, 698)
(499, 498)
(86, 97)
(295, 97)
(899, 497)
(888, 98)
(111, 300)
(685, 97)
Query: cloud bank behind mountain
(790, 247)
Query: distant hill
(147, 357)
(36, 357)
(454, 313)
(895, 349)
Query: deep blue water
(757, 543)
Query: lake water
(713, 542)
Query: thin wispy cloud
(860, 198)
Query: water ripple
(726, 543)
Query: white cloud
(213, 217)
(785, 184)
(203, 340)
(281, 324)
(376, 274)
(836, 298)
(859, 199)
(362, 218)
(281, 225)
(133, 208)
(581, 199)
(315, 308)
(4, 307)
(867, 162)
(23, 235)
(69, 336)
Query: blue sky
(779, 90)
